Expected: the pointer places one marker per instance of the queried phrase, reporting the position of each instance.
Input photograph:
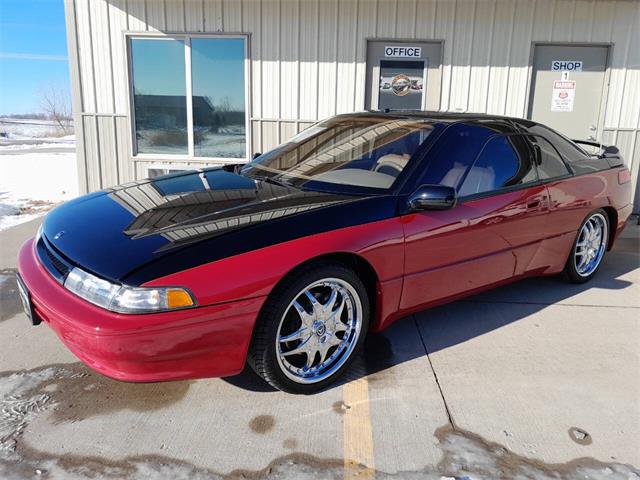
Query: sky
(33, 53)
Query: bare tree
(54, 102)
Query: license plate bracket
(27, 304)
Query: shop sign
(566, 66)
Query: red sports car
(287, 262)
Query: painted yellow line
(358, 436)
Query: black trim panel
(356, 212)
(52, 261)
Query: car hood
(116, 231)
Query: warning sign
(564, 92)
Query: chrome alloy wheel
(319, 330)
(591, 245)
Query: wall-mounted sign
(403, 52)
(400, 85)
(564, 92)
(566, 66)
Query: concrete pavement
(538, 379)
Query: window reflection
(217, 66)
(159, 96)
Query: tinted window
(549, 163)
(454, 153)
(364, 151)
(505, 161)
(569, 150)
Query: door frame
(605, 87)
(366, 91)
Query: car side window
(453, 154)
(567, 149)
(505, 161)
(548, 160)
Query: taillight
(624, 176)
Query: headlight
(38, 234)
(123, 299)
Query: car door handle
(536, 203)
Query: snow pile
(33, 182)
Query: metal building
(162, 85)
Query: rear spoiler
(609, 152)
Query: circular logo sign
(400, 85)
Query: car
(287, 262)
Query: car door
(567, 207)
(492, 233)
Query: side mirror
(256, 155)
(433, 197)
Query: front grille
(55, 264)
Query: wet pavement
(534, 380)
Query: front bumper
(210, 341)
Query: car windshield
(360, 153)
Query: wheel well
(359, 265)
(612, 215)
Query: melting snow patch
(465, 455)
(18, 406)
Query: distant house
(167, 111)
(221, 79)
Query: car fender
(256, 273)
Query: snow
(36, 172)
(228, 142)
(29, 396)
(12, 129)
(19, 142)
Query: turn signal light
(624, 176)
(178, 299)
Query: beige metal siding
(308, 60)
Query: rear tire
(588, 248)
(310, 328)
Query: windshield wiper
(264, 178)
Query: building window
(159, 96)
(189, 96)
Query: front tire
(589, 247)
(310, 328)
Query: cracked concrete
(535, 380)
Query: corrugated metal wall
(308, 60)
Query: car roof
(445, 117)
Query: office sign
(566, 66)
(402, 52)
